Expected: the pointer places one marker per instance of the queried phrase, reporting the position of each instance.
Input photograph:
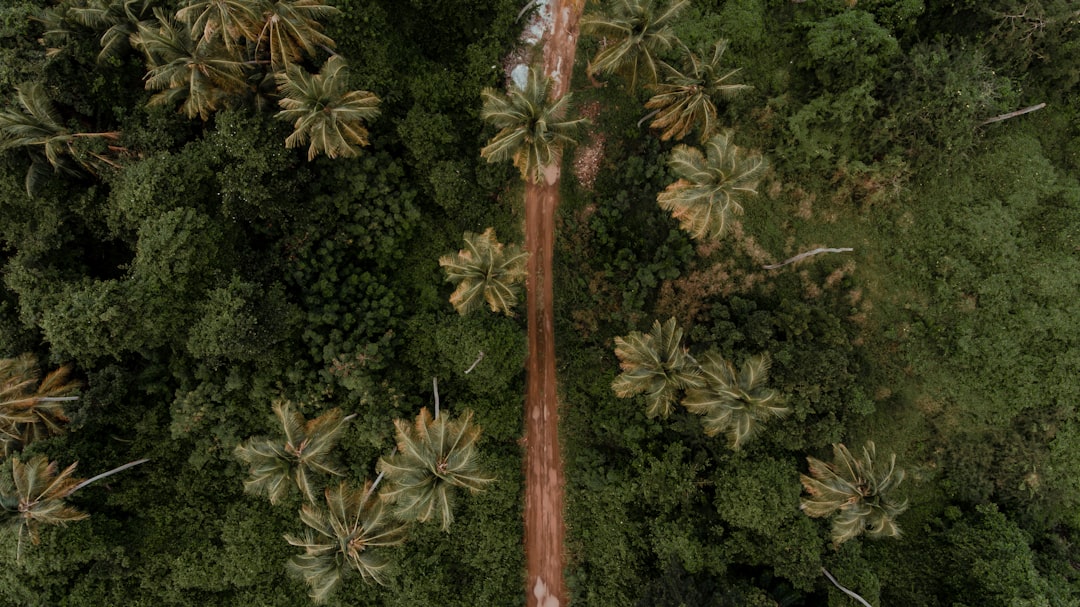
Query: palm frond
(323, 111)
(635, 32)
(533, 130)
(657, 365)
(485, 270)
(346, 537)
(433, 458)
(275, 465)
(710, 185)
(862, 495)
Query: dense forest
(236, 238)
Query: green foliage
(850, 48)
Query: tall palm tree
(34, 495)
(289, 29)
(860, 492)
(37, 126)
(734, 402)
(119, 19)
(485, 270)
(344, 538)
(324, 111)
(29, 409)
(533, 130)
(202, 74)
(688, 98)
(276, 464)
(433, 457)
(656, 364)
(230, 21)
(634, 32)
(710, 185)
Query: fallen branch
(435, 385)
(476, 362)
(104, 474)
(844, 590)
(647, 116)
(801, 256)
(524, 10)
(1013, 114)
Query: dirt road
(544, 529)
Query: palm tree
(657, 364)
(688, 98)
(289, 29)
(533, 131)
(857, 490)
(202, 74)
(433, 457)
(323, 110)
(29, 409)
(734, 402)
(711, 185)
(34, 495)
(230, 21)
(37, 127)
(306, 449)
(119, 19)
(344, 538)
(485, 271)
(634, 32)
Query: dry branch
(1013, 114)
(801, 256)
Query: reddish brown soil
(544, 529)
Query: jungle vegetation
(240, 238)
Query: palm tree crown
(119, 19)
(657, 364)
(344, 538)
(859, 491)
(485, 270)
(202, 74)
(289, 29)
(34, 495)
(324, 111)
(37, 126)
(634, 31)
(688, 98)
(433, 457)
(30, 410)
(533, 130)
(734, 402)
(231, 21)
(306, 449)
(710, 185)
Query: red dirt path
(544, 528)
